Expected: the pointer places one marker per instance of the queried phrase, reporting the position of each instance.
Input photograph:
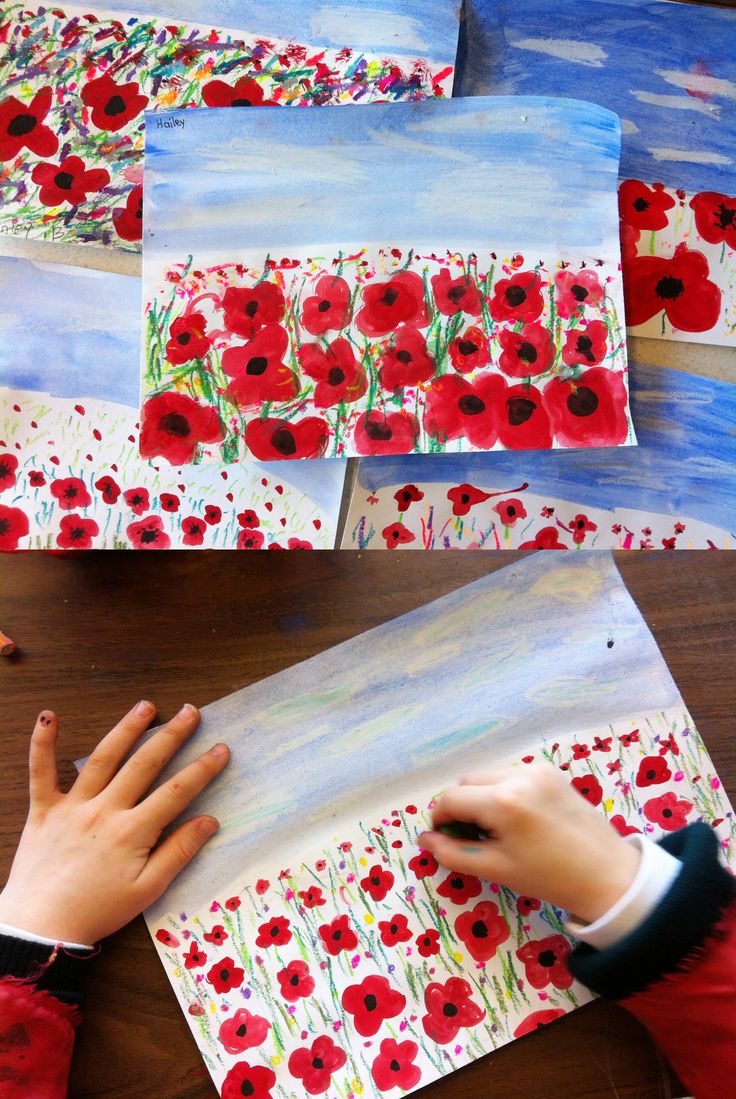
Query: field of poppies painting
(364, 968)
(76, 83)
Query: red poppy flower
(394, 433)
(272, 439)
(338, 374)
(76, 532)
(251, 539)
(232, 904)
(630, 738)
(589, 787)
(538, 1019)
(526, 905)
(243, 1031)
(518, 298)
(580, 525)
(644, 207)
(113, 105)
(482, 930)
(464, 497)
(225, 975)
(338, 935)
(255, 1081)
(193, 530)
(173, 426)
(715, 217)
(21, 126)
(580, 751)
(295, 981)
(218, 934)
(167, 938)
(454, 296)
(524, 422)
(276, 932)
(36, 478)
(294, 544)
(247, 309)
(312, 897)
(510, 511)
(194, 957)
(127, 221)
(668, 744)
(248, 518)
(397, 535)
(148, 534)
(377, 882)
(393, 931)
(69, 181)
(589, 410)
(455, 408)
(137, 500)
(245, 93)
(405, 361)
(261, 886)
(428, 942)
(8, 468)
(315, 1065)
(545, 962)
(188, 339)
(258, 370)
(449, 1008)
(526, 353)
(587, 345)
(212, 515)
(460, 888)
(407, 495)
(386, 305)
(548, 538)
(169, 501)
(70, 493)
(470, 351)
(602, 744)
(424, 865)
(328, 310)
(575, 291)
(394, 1066)
(668, 811)
(622, 827)
(652, 771)
(372, 1002)
(109, 488)
(680, 286)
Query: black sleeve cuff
(24, 959)
(674, 931)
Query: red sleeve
(36, 1041)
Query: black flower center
(183, 338)
(669, 288)
(579, 292)
(404, 356)
(5, 471)
(519, 410)
(467, 347)
(380, 433)
(70, 493)
(274, 932)
(336, 376)
(115, 105)
(375, 881)
(257, 365)
(457, 294)
(470, 405)
(726, 217)
(318, 1063)
(450, 1010)
(667, 813)
(283, 441)
(584, 347)
(527, 353)
(389, 296)
(324, 305)
(147, 537)
(294, 981)
(247, 1088)
(241, 103)
(395, 1066)
(336, 936)
(651, 773)
(515, 295)
(457, 883)
(510, 511)
(640, 205)
(21, 125)
(583, 402)
(251, 309)
(394, 928)
(77, 534)
(242, 1030)
(64, 180)
(175, 424)
(480, 929)
(547, 958)
(370, 1002)
(224, 974)
(4, 526)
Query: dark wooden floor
(98, 631)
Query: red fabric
(36, 1042)
(692, 1015)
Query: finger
(174, 796)
(105, 760)
(136, 776)
(43, 776)
(464, 856)
(485, 778)
(470, 804)
(172, 856)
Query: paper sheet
(421, 277)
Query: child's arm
(662, 918)
(87, 863)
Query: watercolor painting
(77, 80)
(677, 490)
(371, 327)
(70, 473)
(669, 71)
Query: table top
(96, 632)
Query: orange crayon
(6, 645)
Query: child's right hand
(545, 840)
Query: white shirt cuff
(19, 933)
(657, 871)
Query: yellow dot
(177, 972)
(457, 956)
(608, 804)
(368, 918)
(363, 860)
(275, 1060)
(357, 1086)
(213, 1008)
(508, 994)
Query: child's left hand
(87, 862)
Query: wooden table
(98, 631)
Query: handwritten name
(170, 123)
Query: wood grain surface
(95, 632)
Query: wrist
(609, 881)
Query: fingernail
(209, 826)
(188, 710)
(144, 708)
(219, 750)
(44, 718)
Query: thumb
(477, 857)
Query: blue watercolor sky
(635, 57)
(416, 702)
(75, 332)
(684, 462)
(532, 173)
(422, 28)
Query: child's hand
(85, 864)
(545, 839)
